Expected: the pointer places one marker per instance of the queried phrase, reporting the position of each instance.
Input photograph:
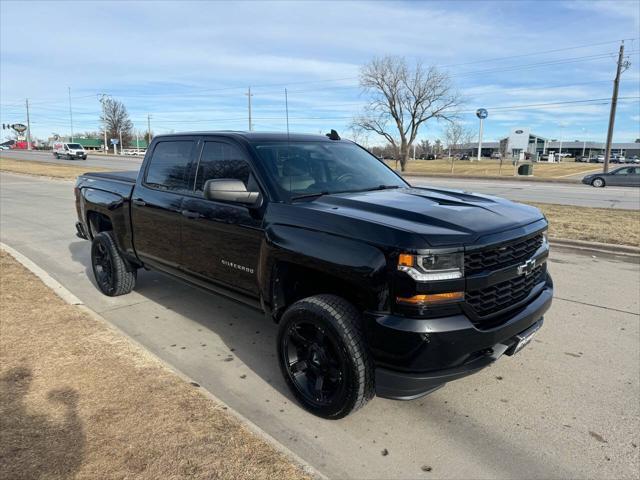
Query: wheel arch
(301, 263)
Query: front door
(156, 208)
(221, 240)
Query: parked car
(623, 176)
(617, 159)
(634, 159)
(496, 155)
(583, 158)
(4, 147)
(377, 287)
(600, 159)
(69, 150)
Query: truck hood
(413, 217)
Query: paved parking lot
(565, 407)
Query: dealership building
(522, 141)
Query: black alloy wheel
(113, 273)
(323, 357)
(103, 267)
(315, 362)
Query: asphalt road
(565, 407)
(564, 194)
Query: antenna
(286, 106)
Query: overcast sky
(189, 64)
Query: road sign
(114, 141)
(482, 113)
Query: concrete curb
(71, 299)
(596, 247)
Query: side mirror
(230, 190)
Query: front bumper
(450, 347)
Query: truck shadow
(247, 334)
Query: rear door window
(169, 165)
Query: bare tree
(116, 119)
(403, 99)
(456, 137)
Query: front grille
(504, 255)
(495, 298)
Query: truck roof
(256, 137)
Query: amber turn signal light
(405, 260)
(432, 298)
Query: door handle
(139, 202)
(190, 214)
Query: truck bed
(128, 176)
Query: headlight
(434, 266)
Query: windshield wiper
(370, 189)
(309, 195)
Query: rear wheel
(323, 357)
(57, 156)
(598, 182)
(113, 273)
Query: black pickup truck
(378, 287)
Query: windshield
(74, 146)
(307, 168)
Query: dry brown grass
(606, 225)
(488, 167)
(29, 167)
(79, 400)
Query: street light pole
(70, 114)
(28, 126)
(249, 95)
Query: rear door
(221, 240)
(622, 176)
(156, 208)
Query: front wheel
(113, 273)
(598, 182)
(323, 357)
(57, 156)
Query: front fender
(359, 266)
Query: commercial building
(522, 142)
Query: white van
(69, 151)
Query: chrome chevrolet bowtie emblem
(527, 267)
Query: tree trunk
(404, 155)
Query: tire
(68, 157)
(321, 337)
(57, 156)
(114, 275)
(597, 182)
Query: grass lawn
(47, 169)
(492, 168)
(79, 400)
(619, 227)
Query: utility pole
(101, 98)
(28, 126)
(148, 129)
(249, 95)
(70, 114)
(612, 113)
